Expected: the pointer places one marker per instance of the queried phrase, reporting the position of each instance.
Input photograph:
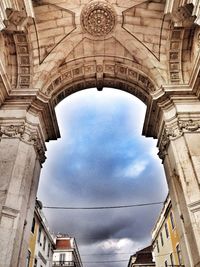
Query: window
(157, 245)
(35, 263)
(39, 234)
(33, 226)
(44, 243)
(172, 220)
(166, 230)
(28, 258)
(161, 239)
(178, 251)
(62, 257)
(171, 259)
(165, 263)
(48, 252)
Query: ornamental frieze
(25, 134)
(116, 70)
(189, 125)
(172, 132)
(12, 130)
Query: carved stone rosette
(98, 18)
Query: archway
(44, 58)
(102, 159)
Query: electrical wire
(103, 207)
(112, 261)
(106, 254)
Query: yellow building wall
(32, 243)
(174, 237)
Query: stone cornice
(26, 133)
(183, 12)
(17, 17)
(174, 131)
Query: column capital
(26, 132)
(175, 130)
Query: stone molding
(195, 206)
(174, 131)
(9, 212)
(96, 74)
(26, 134)
(175, 56)
(23, 60)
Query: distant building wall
(165, 239)
(41, 244)
(66, 252)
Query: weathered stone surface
(51, 49)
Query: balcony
(64, 264)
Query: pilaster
(178, 131)
(22, 154)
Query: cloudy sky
(103, 160)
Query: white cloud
(135, 169)
(116, 244)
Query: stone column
(179, 148)
(21, 155)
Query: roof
(63, 243)
(144, 256)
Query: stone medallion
(98, 18)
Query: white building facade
(66, 252)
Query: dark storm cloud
(102, 159)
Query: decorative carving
(98, 18)
(98, 72)
(198, 40)
(170, 133)
(175, 72)
(182, 17)
(23, 60)
(99, 68)
(189, 125)
(38, 146)
(174, 131)
(26, 135)
(99, 77)
(12, 130)
(164, 143)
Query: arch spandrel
(64, 45)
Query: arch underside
(92, 72)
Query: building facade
(142, 258)
(41, 244)
(66, 252)
(165, 239)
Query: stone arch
(50, 56)
(98, 72)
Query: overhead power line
(113, 261)
(103, 207)
(106, 254)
